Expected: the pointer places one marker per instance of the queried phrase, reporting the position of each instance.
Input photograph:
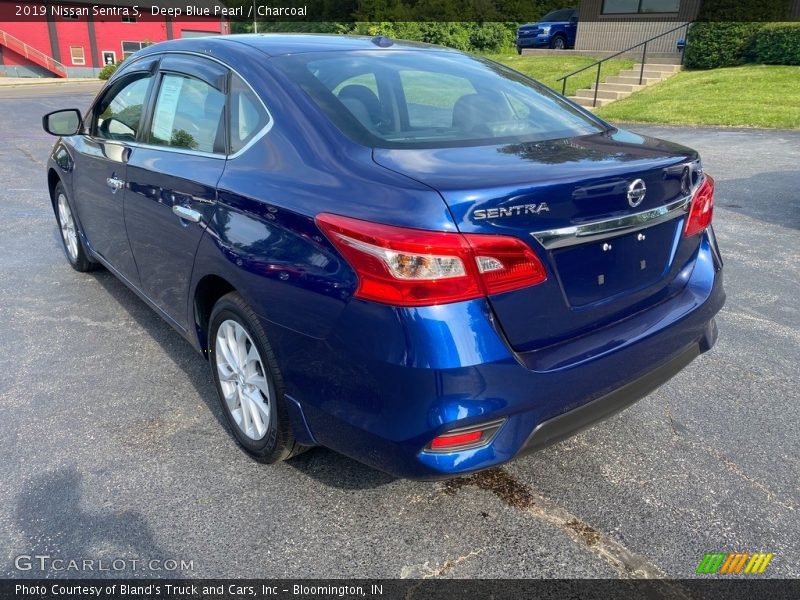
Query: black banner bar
(376, 11)
(728, 588)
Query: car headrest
(473, 111)
(366, 97)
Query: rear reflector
(466, 438)
(702, 208)
(456, 439)
(414, 267)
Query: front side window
(119, 112)
(247, 115)
(429, 99)
(616, 7)
(188, 115)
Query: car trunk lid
(603, 212)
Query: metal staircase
(32, 54)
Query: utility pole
(255, 15)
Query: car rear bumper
(389, 380)
(567, 424)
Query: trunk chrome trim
(600, 230)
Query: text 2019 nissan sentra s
(418, 258)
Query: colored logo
(734, 563)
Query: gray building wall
(598, 32)
(24, 71)
(37, 71)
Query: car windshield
(429, 99)
(556, 16)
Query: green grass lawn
(749, 96)
(547, 69)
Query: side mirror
(573, 19)
(63, 122)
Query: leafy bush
(462, 35)
(108, 71)
(475, 37)
(728, 30)
(777, 44)
(713, 45)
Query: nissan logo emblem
(636, 193)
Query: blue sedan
(418, 258)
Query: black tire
(279, 442)
(558, 42)
(76, 254)
(519, 50)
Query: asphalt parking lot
(112, 445)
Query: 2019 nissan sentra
(418, 258)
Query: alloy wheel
(67, 226)
(243, 379)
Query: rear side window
(188, 114)
(248, 115)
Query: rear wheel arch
(208, 291)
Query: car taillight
(702, 208)
(413, 267)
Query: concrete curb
(23, 81)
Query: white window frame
(127, 54)
(113, 53)
(77, 62)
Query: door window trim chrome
(594, 231)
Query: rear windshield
(430, 99)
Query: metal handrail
(600, 62)
(31, 53)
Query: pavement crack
(677, 428)
(734, 468)
(425, 571)
(520, 496)
(450, 564)
(31, 157)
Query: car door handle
(115, 184)
(187, 214)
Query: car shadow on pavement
(335, 470)
(180, 352)
(49, 516)
(769, 197)
(328, 467)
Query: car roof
(276, 44)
